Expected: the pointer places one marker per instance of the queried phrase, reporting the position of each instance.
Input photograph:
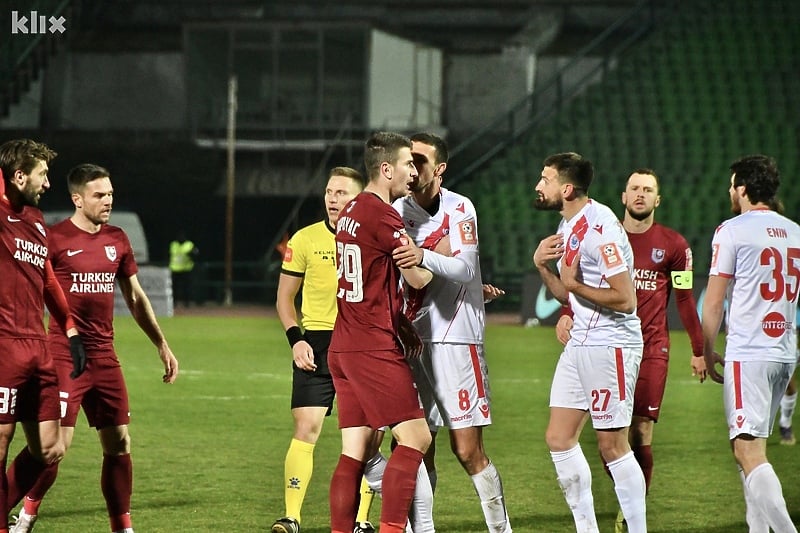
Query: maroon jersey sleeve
(681, 261)
(87, 265)
(369, 296)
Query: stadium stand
(714, 81)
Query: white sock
(631, 490)
(373, 472)
(490, 491)
(765, 489)
(420, 515)
(756, 521)
(788, 403)
(575, 479)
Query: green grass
(208, 451)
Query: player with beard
(596, 373)
(662, 262)
(755, 265)
(28, 379)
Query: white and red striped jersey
(596, 233)
(759, 251)
(450, 308)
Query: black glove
(78, 354)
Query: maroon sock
(23, 475)
(116, 482)
(644, 456)
(344, 496)
(399, 482)
(3, 496)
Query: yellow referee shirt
(311, 255)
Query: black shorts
(314, 389)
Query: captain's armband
(682, 279)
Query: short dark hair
(383, 147)
(572, 168)
(23, 154)
(79, 176)
(437, 142)
(759, 175)
(348, 172)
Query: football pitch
(208, 451)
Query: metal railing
(547, 99)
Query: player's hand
(711, 360)
(564, 328)
(303, 356)
(570, 274)
(699, 367)
(550, 249)
(490, 292)
(170, 364)
(412, 343)
(78, 353)
(407, 255)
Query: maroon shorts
(100, 390)
(650, 386)
(28, 382)
(374, 389)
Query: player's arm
(687, 309)
(620, 295)
(713, 307)
(56, 302)
(141, 309)
(551, 249)
(288, 287)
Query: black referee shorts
(314, 389)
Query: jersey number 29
(349, 267)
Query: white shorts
(453, 384)
(598, 379)
(752, 393)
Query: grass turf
(208, 451)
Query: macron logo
(70, 253)
(12, 219)
(38, 24)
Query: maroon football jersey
(656, 254)
(369, 296)
(86, 266)
(23, 252)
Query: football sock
(767, 493)
(367, 494)
(630, 488)
(490, 491)
(421, 513)
(644, 456)
(298, 467)
(345, 483)
(373, 472)
(575, 479)
(116, 482)
(756, 521)
(22, 475)
(400, 480)
(788, 403)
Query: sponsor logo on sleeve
(611, 256)
(287, 255)
(467, 230)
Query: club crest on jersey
(657, 255)
(467, 230)
(111, 253)
(40, 228)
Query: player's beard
(638, 216)
(30, 196)
(736, 209)
(544, 204)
